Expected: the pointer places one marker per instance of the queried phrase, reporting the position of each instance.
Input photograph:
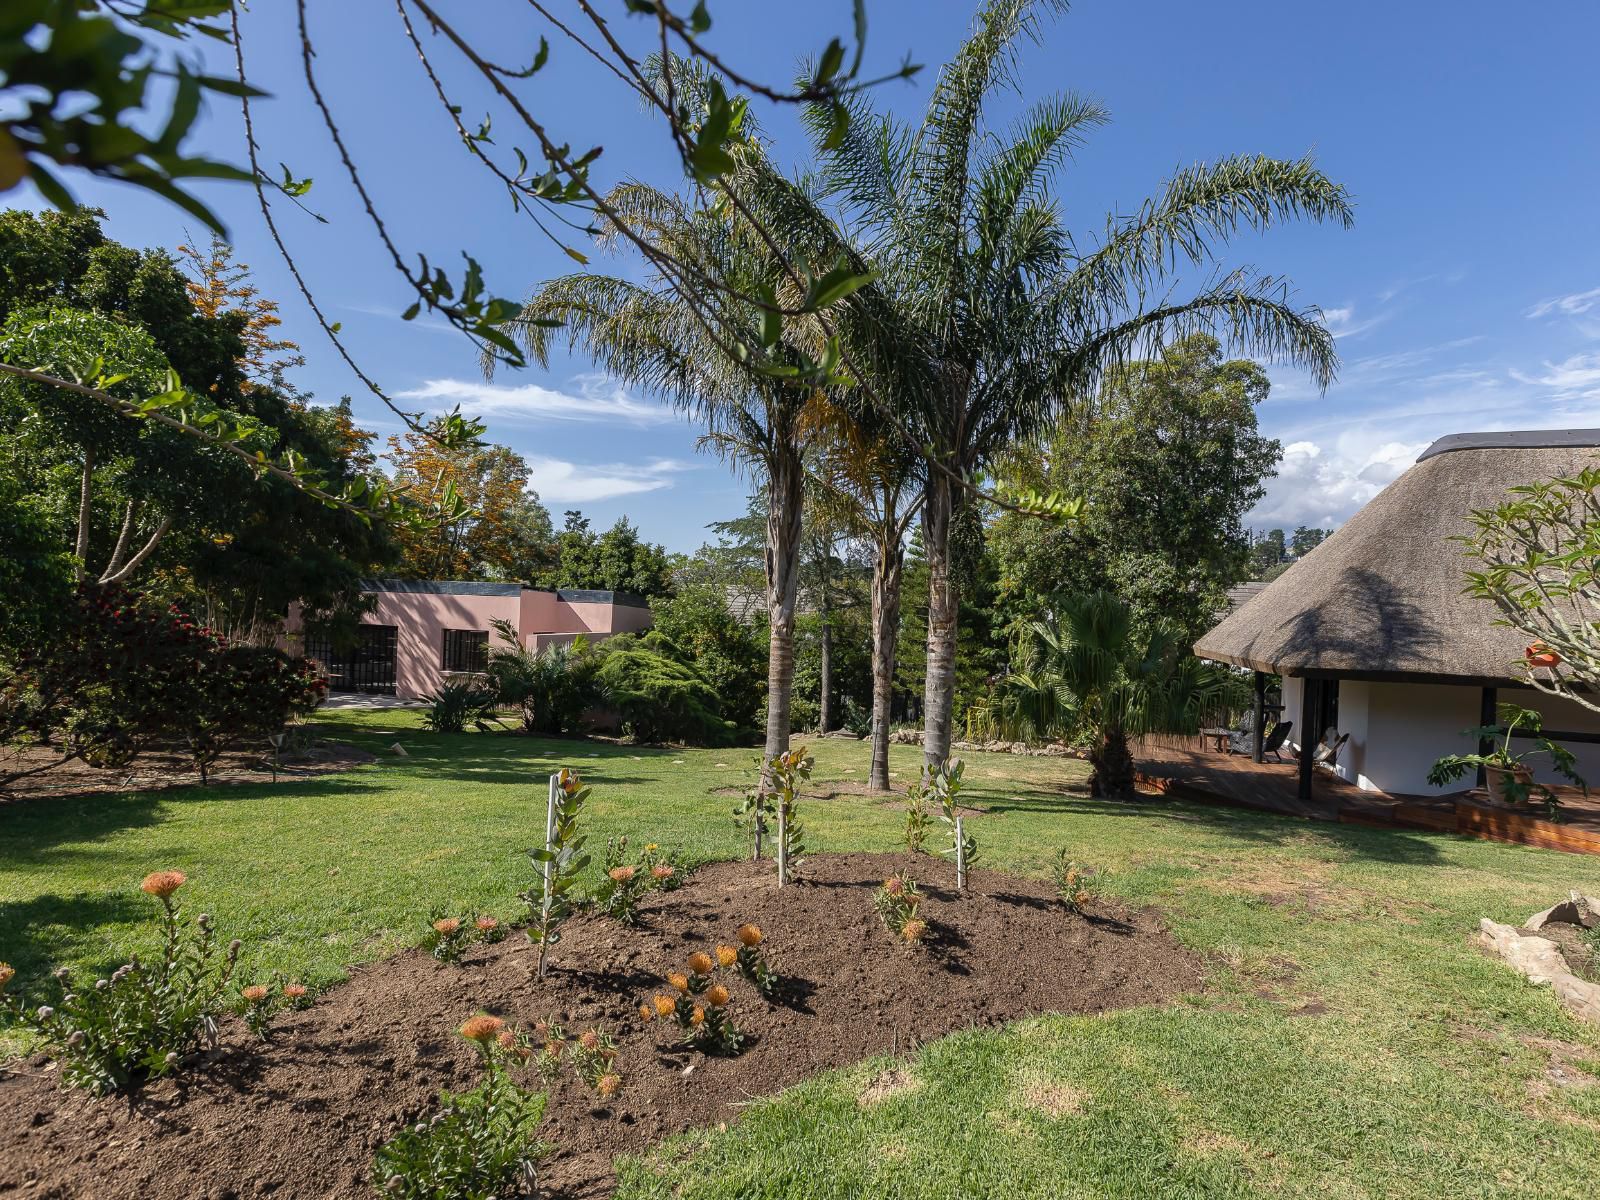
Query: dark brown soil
(164, 768)
(300, 1117)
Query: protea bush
(897, 900)
(480, 1143)
(750, 962)
(449, 937)
(145, 1019)
(1075, 882)
(591, 1056)
(698, 1003)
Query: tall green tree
(1000, 318)
(1170, 459)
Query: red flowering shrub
(125, 672)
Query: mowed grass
(1352, 1042)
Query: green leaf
(836, 285)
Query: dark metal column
(1486, 716)
(1311, 690)
(1261, 714)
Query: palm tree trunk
(943, 602)
(784, 498)
(885, 631)
(825, 702)
(1113, 767)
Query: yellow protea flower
(750, 935)
(665, 1005)
(700, 962)
(647, 1012)
(726, 956)
(716, 995)
(698, 1017)
(678, 980)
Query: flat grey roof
(441, 587)
(1524, 439)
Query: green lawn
(1414, 1067)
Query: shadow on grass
(34, 933)
(1246, 824)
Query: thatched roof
(1382, 598)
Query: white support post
(549, 864)
(961, 857)
(783, 844)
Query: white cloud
(1567, 306)
(561, 482)
(1322, 484)
(1343, 322)
(598, 400)
(1574, 375)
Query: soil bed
(301, 1116)
(168, 767)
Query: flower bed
(303, 1114)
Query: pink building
(420, 630)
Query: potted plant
(1509, 776)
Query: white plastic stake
(783, 844)
(961, 857)
(549, 864)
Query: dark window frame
(464, 651)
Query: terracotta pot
(1498, 777)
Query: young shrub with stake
(146, 1018)
(560, 863)
(916, 831)
(897, 900)
(788, 771)
(1075, 882)
(943, 786)
(481, 1143)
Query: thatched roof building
(1382, 599)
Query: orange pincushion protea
(750, 935)
(589, 1039)
(716, 995)
(661, 872)
(664, 1005)
(607, 1085)
(623, 874)
(254, 994)
(726, 956)
(893, 885)
(700, 962)
(447, 926)
(486, 924)
(913, 930)
(698, 1017)
(482, 1028)
(646, 1012)
(294, 991)
(163, 883)
(678, 980)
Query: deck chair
(1327, 754)
(1276, 736)
(1242, 739)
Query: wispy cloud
(559, 481)
(1576, 376)
(1343, 322)
(596, 400)
(1570, 305)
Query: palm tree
(649, 335)
(1088, 669)
(988, 318)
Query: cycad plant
(988, 316)
(1090, 670)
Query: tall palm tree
(647, 334)
(988, 317)
(1088, 669)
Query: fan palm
(988, 317)
(1090, 670)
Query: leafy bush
(457, 704)
(145, 1018)
(897, 900)
(551, 689)
(481, 1143)
(262, 1003)
(1075, 882)
(659, 696)
(592, 1056)
(125, 673)
(942, 787)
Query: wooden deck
(1186, 768)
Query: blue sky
(1467, 297)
